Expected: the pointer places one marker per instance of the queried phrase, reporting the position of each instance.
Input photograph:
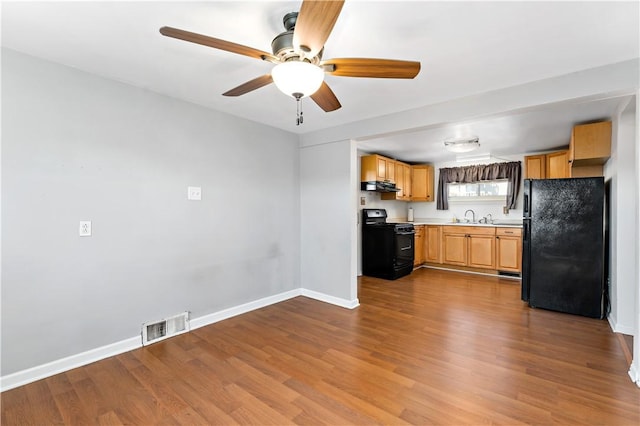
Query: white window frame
(478, 198)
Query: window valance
(512, 171)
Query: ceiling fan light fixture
(297, 78)
(462, 144)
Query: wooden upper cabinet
(402, 174)
(377, 168)
(554, 165)
(535, 166)
(590, 144)
(557, 165)
(422, 183)
(408, 182)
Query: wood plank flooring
(435, 347)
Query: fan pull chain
(299, 118)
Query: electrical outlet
(363, 201)
(194, 193)
(85, 228)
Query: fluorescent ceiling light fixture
(297, 78)
(462, 144)
(473, 158)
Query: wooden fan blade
(326, 99)
(369, 67)
(247, 87)
(314, 24)
(217, 43)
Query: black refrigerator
(563, 245)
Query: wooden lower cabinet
(509, 249)
(482, 251)
(478, 247)
(454, 247)
(472, 246)
(418, 258)
(432, 238)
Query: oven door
(404, 252)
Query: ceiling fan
(297, 53)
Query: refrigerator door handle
(526, 205)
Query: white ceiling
(465, 48)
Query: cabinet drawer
(509, 232)
(475, 230)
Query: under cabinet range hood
(379, 186)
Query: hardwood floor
(435, 347)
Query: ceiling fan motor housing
(282, 44)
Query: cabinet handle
(497, 238)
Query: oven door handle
(406, 233)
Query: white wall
(623, 223)
(634, 370)
(79, 147)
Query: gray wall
(79, 147)
(328, 220)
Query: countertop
(500, 223)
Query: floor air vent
(159, 330)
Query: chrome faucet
(473, 216)
(486, 219)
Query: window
(495, 190)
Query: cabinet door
(509, 249)
(419, 246)
(433, 235)
(406, 171)
(482, 251)
(381, 172)
(401, 171)
(557, 165)
(509, 254)
(590, 143)
(454, 249)
(422, 183)
(534, 167)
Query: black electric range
(387, 248)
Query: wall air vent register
(156, 331)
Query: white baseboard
(243, 309)
(29, 375)
(345, 303)
(43, 371)
(634, 374)
(619, 328)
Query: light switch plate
(194, 193)
(85, 228)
